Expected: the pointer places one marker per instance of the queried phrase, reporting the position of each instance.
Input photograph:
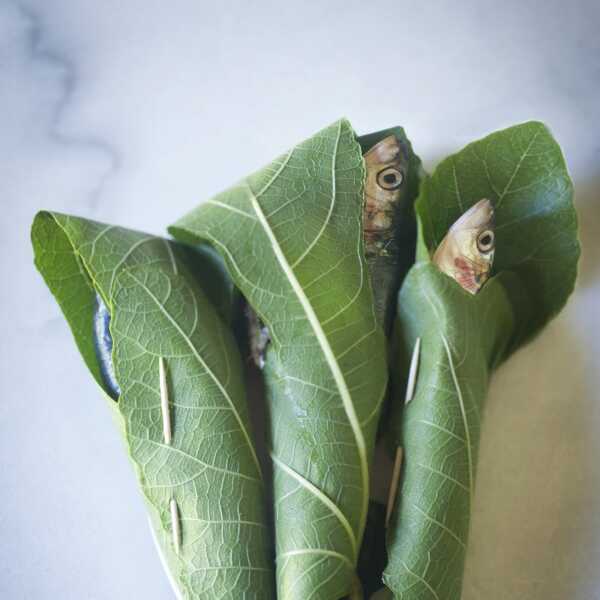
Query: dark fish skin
(103, 344)
(382, 216)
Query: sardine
(387, 164)
(467, 252)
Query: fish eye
(390, 178)
(485, 241)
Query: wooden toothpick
(410, 392)
(175, 525)
(412, 372)
(164, 400)
(393, 486)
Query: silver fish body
(103, 344)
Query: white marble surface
(133, 111)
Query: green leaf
(209, 268)
(460, 337)
(464, 337)
(210, 468)
(68, 280)
(522, 171)
(291, 236)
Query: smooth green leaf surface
(291, 236)
(521, 170)
(158, 309)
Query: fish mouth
(471, 274)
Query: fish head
(387, 164)
(467, 252)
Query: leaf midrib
(323, 343)
(463, 413)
